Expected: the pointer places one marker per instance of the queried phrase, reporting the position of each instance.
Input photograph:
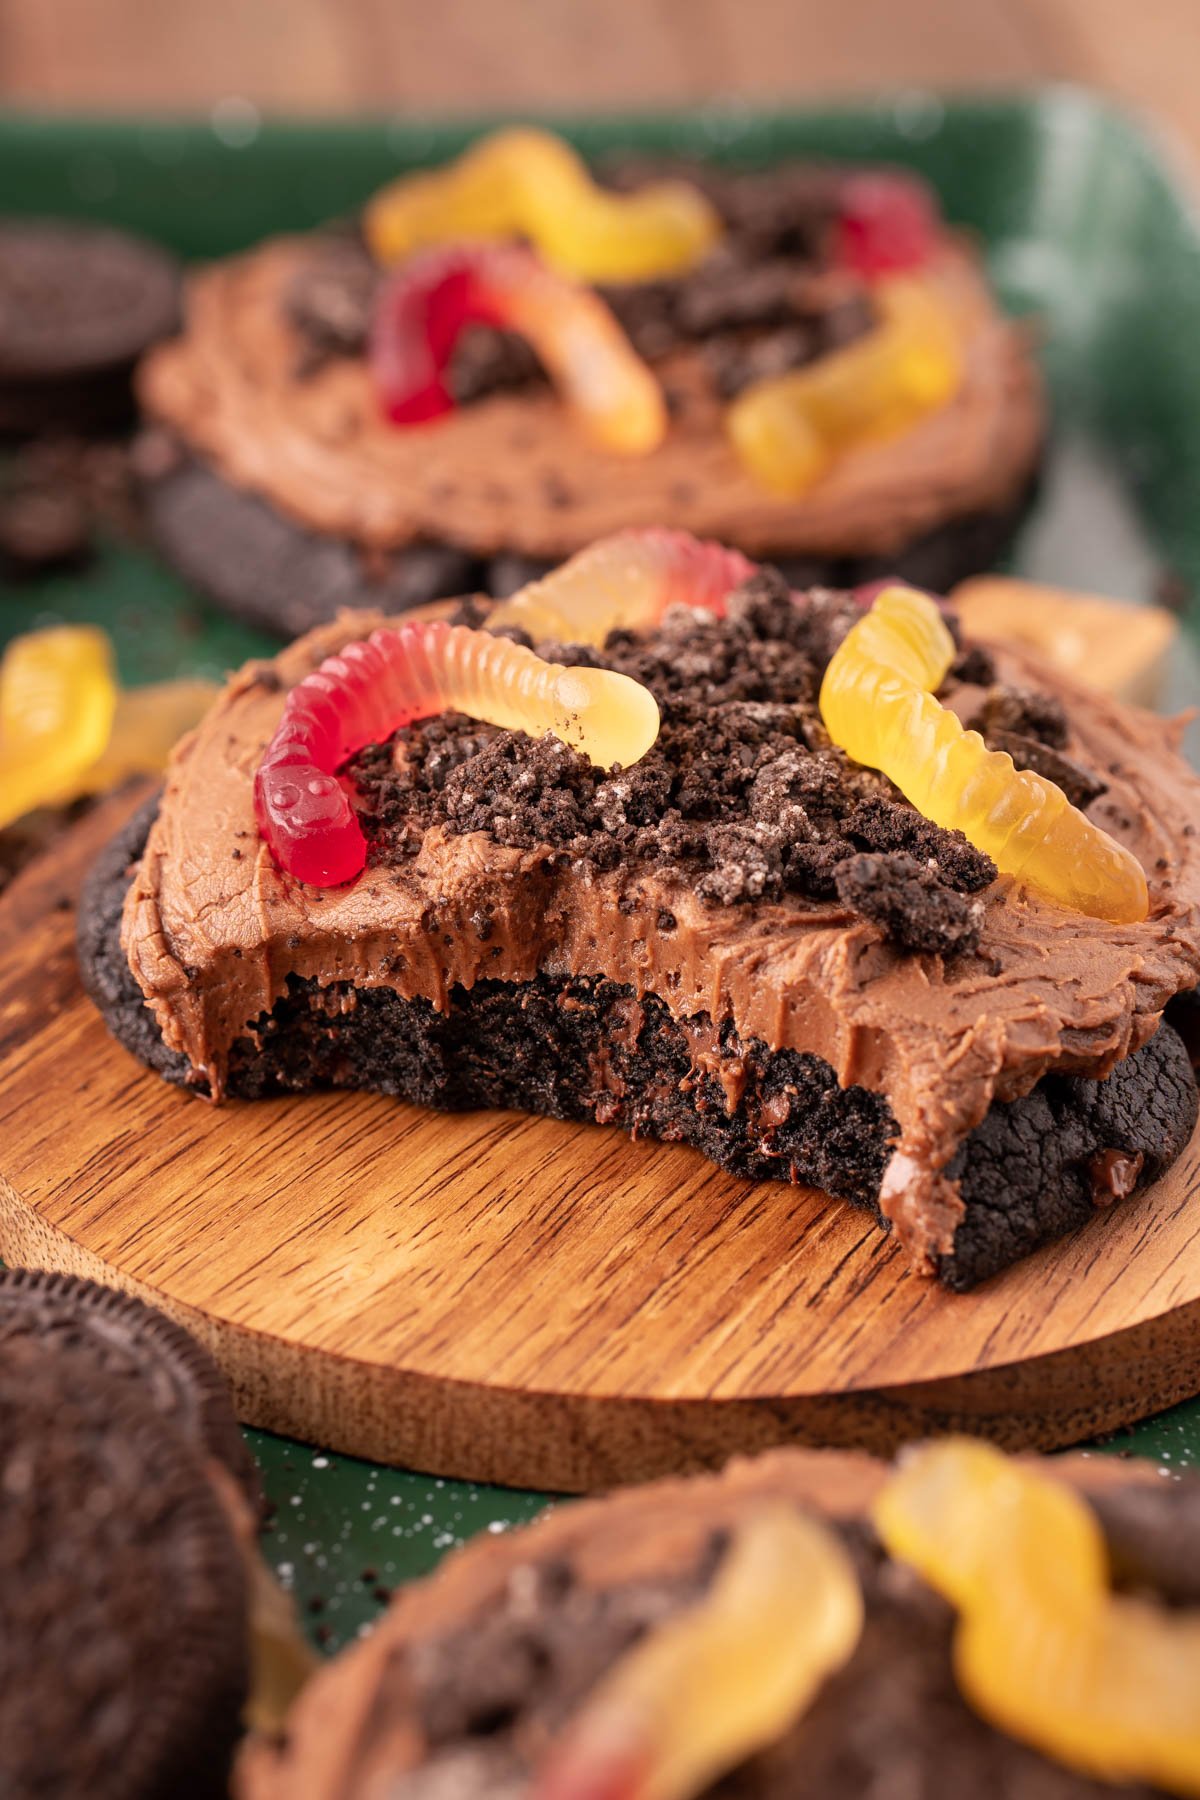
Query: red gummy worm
(360, 696)
(421, 312)
(887, 223)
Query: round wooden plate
(512, 1299)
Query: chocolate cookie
(137, 1347)
(472, 1674)
(56, 493)
(79, 304)
(282, 490)
(259, 564)
(1036, 1167)
(123, 1603)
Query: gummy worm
(58, 696)
(878, 704)
(148, 723)
(424, 306)
(530, 184)
(625, 582)
(66, 729)
(1105, 1683)
(723, 1679)
(788, 429)
(887, 221)
(396, 676)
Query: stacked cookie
(128, 1512)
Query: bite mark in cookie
(705, 880)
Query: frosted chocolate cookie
(804, 362)
(795, 1627)
(741, 937)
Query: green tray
(1083, 228)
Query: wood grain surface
(545, 1305)
(343, 55)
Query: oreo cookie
(79, 304)
(123, 1596)
(47, 1316)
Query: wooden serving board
(511, 1299)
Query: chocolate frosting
(212, 931)
(513, 472)
(356, 1731)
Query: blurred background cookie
(784, 1631)
(78, 305)
(139, 1626)
(123, 1600)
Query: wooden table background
(339, 55)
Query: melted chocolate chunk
(1114, 1175)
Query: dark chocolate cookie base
(268, 571)
(589, 1049)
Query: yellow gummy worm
(58, 697)
(624, 581)
(723, 1679)
(148, 723)
(585, 353)
(607, 717)
(527, 183)
(1107, 1684)
(878, 704)
(788, 429)
(65, 728)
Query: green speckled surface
(1084, 230)
(345, 1533)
